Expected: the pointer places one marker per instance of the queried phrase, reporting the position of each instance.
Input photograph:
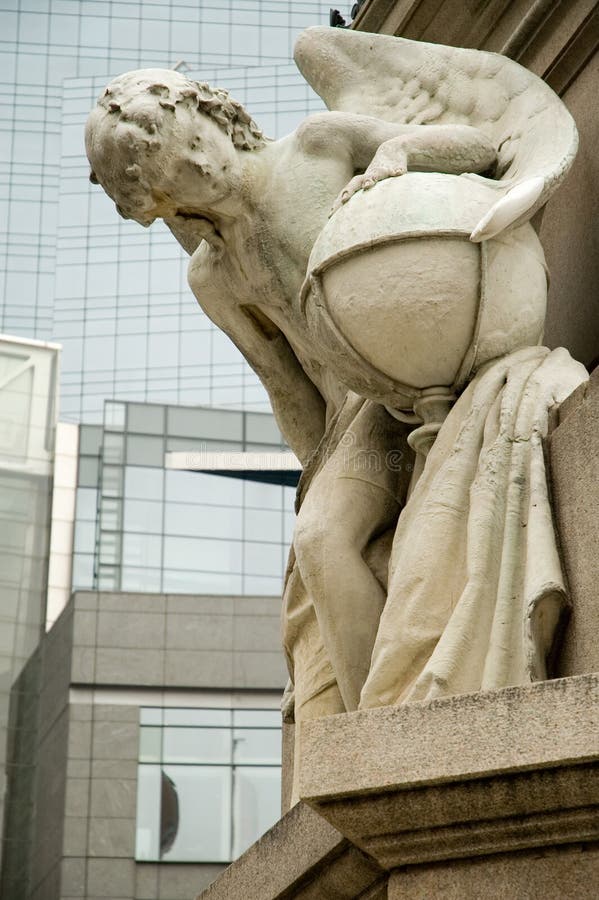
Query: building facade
(138, 355)
(115, 296)
(144, 746)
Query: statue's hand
(378, 170)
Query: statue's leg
(340, 515)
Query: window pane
(141, 549)
(134, 579)
(201, 745)
(257, 718)
(143, 515)
(259, 746)
(204, 813)
(148, 813)
(150, 744)
(198, 717)
(145, 451)
(145, 484)
(256, 805)
(150, 715)
(147, 418)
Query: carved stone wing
(412, 82)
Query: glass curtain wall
(140, 527)
(44, 45)
(209, 782)
(129, 324)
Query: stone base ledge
(494, 794)
(303, 857)
(470, 775)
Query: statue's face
(189, 169)
(196, 168)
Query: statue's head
(153, 132)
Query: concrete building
(116, 298)
(145, 746)
(28, 409)
(174, 648)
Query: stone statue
(379, 270)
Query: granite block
(301, 856)
(199, 604)
(550, 874)
(113, 798)
(204, 631)
(201, 668)
(83, 663)
(74, 838)
(72, 877)
(120, 601)
(85, 600)
(257, 606)
(133, 667)
(80, 738)
(146, 881)
(84, 627)
(112, 878)
(77, 797)
(112, 838)
(473, 774)
(182, 882)
(115, 741)
(259, 670)
(257, 633)
(130, 630)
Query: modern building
(145, 746)
(28, 409)
(143, 743)
(115, 296)
(142, 527)
(137, 351)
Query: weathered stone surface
(385, 247)
(548, 874)
(475, 774)
(574, 458)
(302, 856)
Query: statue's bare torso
(263, 262)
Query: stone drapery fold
(476, 589)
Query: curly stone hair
(145, 101)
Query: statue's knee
(309, 538)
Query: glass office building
(65, 273)
(143, 371)
(127, 320)
(142, 527)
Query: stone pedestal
(494, 794)
(573, 453)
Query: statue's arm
(297, 404)
(379, 149)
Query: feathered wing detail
(412, 82)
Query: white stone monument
(380, 270)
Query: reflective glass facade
(28, 400)
(209, 782)
(128, 322)
(139, 527)
(120, 304)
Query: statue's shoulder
(313, 135)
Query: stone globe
(399, 301)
